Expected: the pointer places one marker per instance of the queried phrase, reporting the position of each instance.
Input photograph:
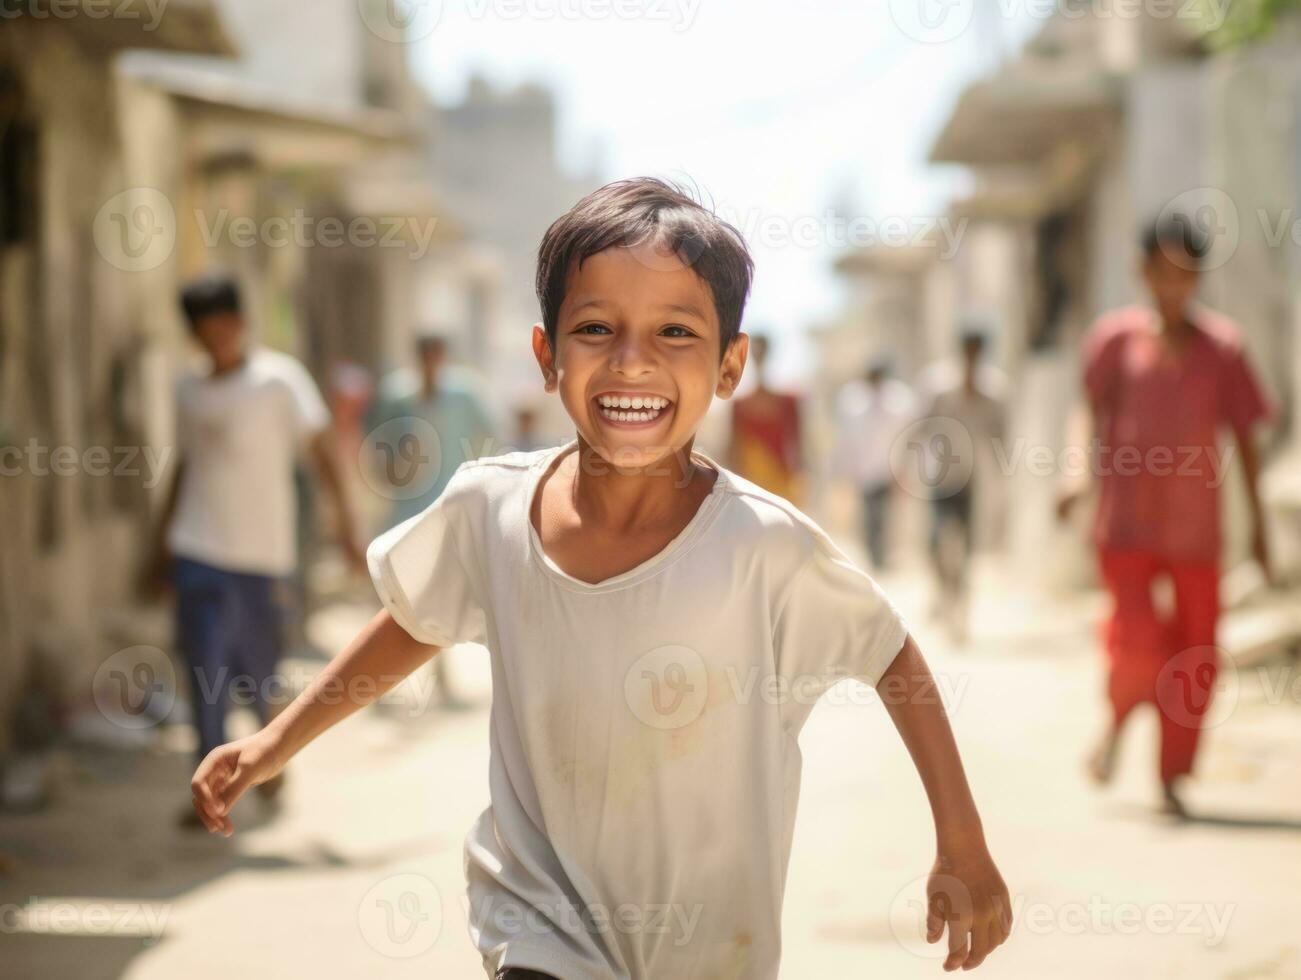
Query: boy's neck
(1172, 323)
(220, 370)
(623, 498)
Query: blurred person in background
(440, 410)
(527, 438)
(1161, 381)
(228, 533)
(424, 426)
(871, 413)
(963, 420)
(765, 444)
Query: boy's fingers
(934, 921)
(204, 815)
(980, 945)
(959, 946)
(199, 786)
(1000, 928)
(241, 778)
(205, 800)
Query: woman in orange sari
(765, 446)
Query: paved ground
(377, 808)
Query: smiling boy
(637, 599)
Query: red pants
(1170, 662)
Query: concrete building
(1100, 124)
(219, 141)
(72, 343)
(495, 154)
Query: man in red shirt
(1161, 381)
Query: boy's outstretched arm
(965, 889)
(376, 661)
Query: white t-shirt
(240, 434)
(868, 423)
(644, 762)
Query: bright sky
(779, 110)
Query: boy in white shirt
(227, 535)
(640, 604)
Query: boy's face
(221, 335)
(637, 323)
(1173, 281)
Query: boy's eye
(593, 327)
(681, 331)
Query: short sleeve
(421, 573)
(1244, 400)
(835, 622)
(310, 412)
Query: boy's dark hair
(1178, 236)
(209, 296)
(645, 210)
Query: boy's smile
(636, 358)
(633, 409)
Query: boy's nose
(632, 356)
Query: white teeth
(620, 416)
(625, 402)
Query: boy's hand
(226, 773)
(966, 892)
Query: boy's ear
(733, 366)
(545, 357)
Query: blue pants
(876, 505)
(228, 627)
